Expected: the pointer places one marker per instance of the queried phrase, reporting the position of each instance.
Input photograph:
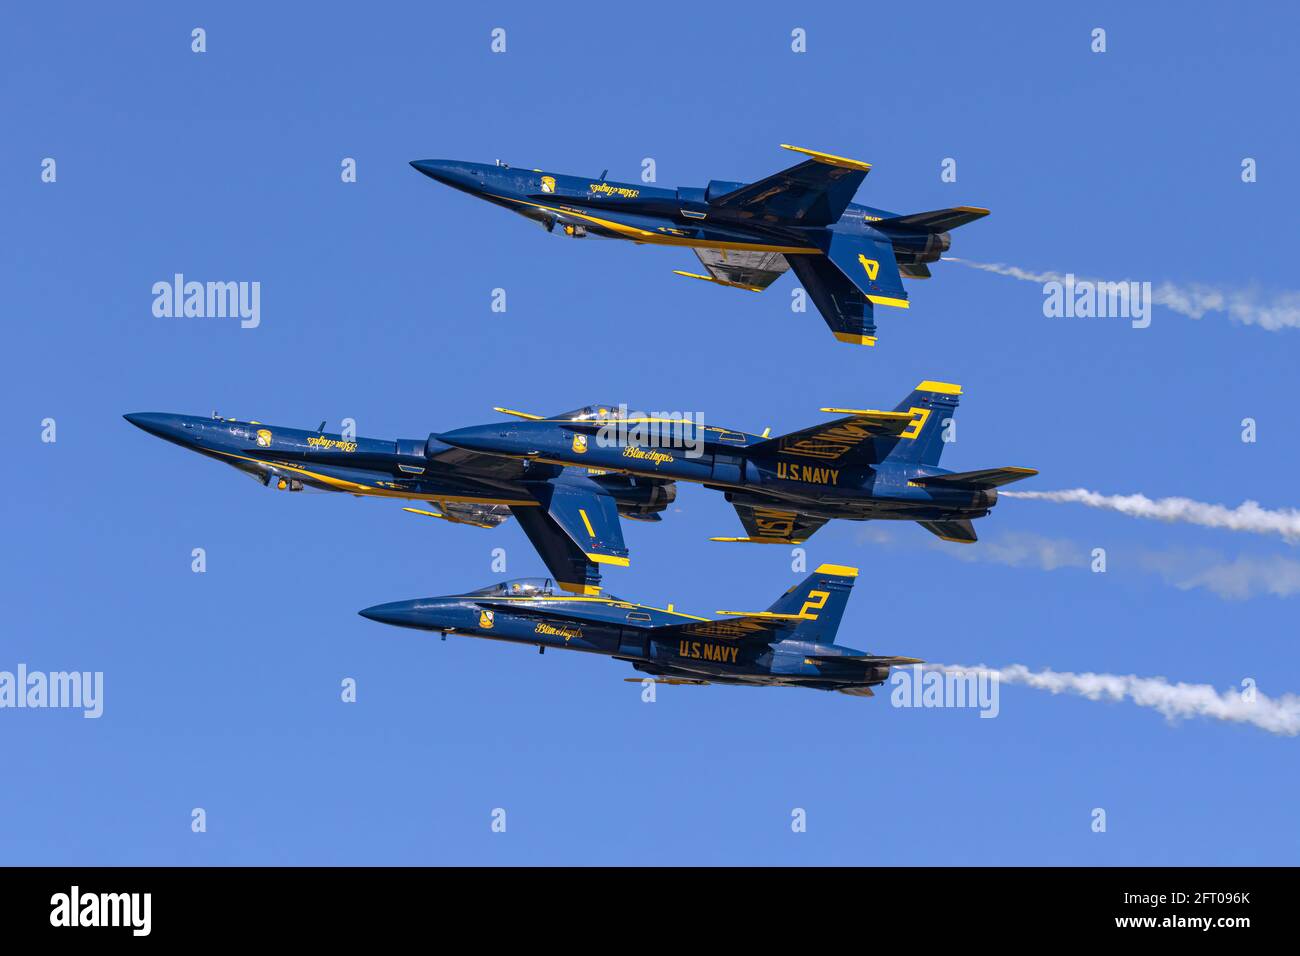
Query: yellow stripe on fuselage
(592, 600)
(352, 487)
(657, 238)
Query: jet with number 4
(849, 257)
(791, 644)
(570, 515)
(863, 465)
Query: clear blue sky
(222, 689)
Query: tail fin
(931, 405)
(819, 602)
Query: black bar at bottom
(868, 904)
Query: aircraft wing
(492, 466)
(840, 441)
(775, 525)
(740, 269)
(813, 193)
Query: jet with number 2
(791, 644)
(848, 257)
(864, 465)
(571, 516)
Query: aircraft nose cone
(398, 613)
(439, 169)
(449, 172)
(155, 423)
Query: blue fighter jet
(791, 644)
(570, 516)
(864, 465)
(849, 257)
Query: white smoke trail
(1247, 516)
(1247, 306)
(1277, 715)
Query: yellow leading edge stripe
(886, 300)
(829, 158)
(733, 285)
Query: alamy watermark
(208, 300)
(624, 428)
(1092, 298)
(921, 686)
(67, 689)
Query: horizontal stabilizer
(940, 220)
(869, 659)
(666, 680)
(984, 478)
(775, 525)
(961, 530)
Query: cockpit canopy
(518, 587)
(590, 413)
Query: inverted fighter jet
(863, 465)
(848, 257)
(570, 515)
(791, 644)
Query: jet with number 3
(864, 465)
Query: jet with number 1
(849, 257)
(571, 515)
